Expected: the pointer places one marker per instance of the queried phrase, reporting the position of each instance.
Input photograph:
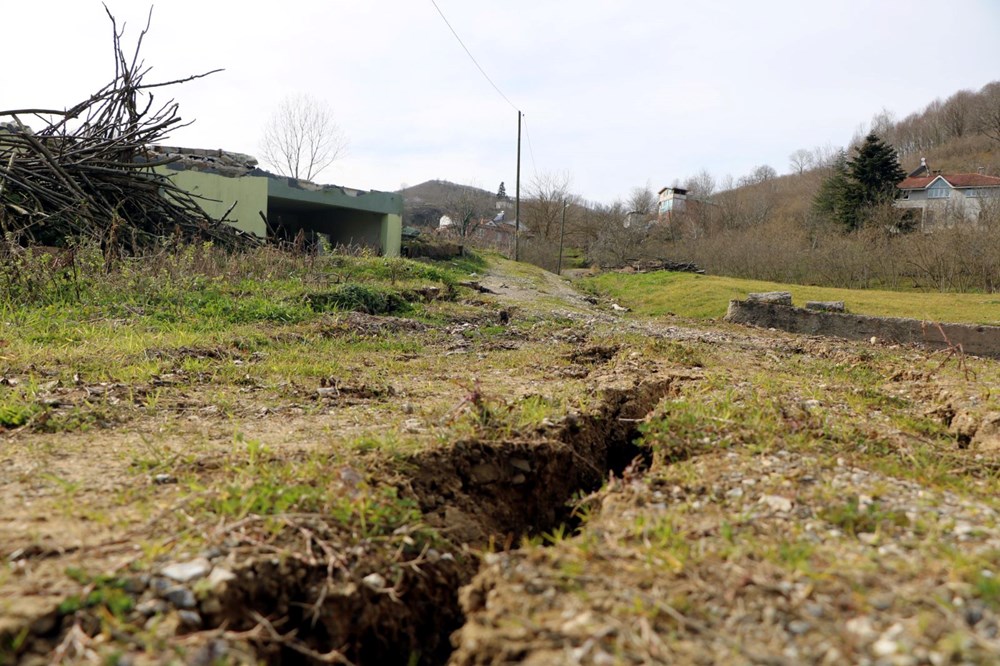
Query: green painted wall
(391, 234)
(250, 193)
(348, 216)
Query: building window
(939, 192)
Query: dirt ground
(584, 488)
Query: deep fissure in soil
(480, 494)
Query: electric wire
(531, 151)
(472, 57)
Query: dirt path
(484, 497)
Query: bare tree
(701, 185)
(642, 201)
(467, 208)
(301, 138)
(988, 119)
(801, 160)
(957, 113)
(542, 210)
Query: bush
(358, 298)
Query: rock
(987, 437)
(159, 585)
(211, 606)
(219, 578)
(826, 306)
(189, 619)
(181, 597)
(884, 647)
(798, 627)
(777, 503)
(151, 607)
(136, 584)
(964, 425)
(164, 479)
(374, 581)
(861, 627)
(183, 572)
(521, 464)
(772, 297)
(485, 473)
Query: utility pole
(517, 195)
(562, 234)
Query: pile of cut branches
(89, 173)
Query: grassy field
(707, 296)
(361, 450)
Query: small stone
(868, 537)
(159, 585)
(518, 479)
(884, 647)
(136, 584)
(211, 606)
(771, 297)
(485, 473)
(183, 572)
(963, 529)
(521, 464)
(860, 626)
(164, 479)
(151, 607)
(798, 627)
(219, 577)
(826, 306)
(181, 597)
(735, 493)
(374, 581)
(777, 503)
(190, 619)
(881, 602)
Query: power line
(531, 151)
(472, 57)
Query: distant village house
(943, 198)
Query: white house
(942, 198)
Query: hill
(424, 204)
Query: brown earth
(794, 500)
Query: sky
(615, 94)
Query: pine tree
(859, 184)
(836, 196)
(876, 171)
(502, 192)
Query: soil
(769, 514)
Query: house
(272, 206)
(941, 198)
(671, 200)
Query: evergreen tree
(502, 192)
(876, 171)
(857, 185)
(836, 196)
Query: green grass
(707, 297)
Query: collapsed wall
(769, 311)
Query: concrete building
(277, 207)
(944, 198)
